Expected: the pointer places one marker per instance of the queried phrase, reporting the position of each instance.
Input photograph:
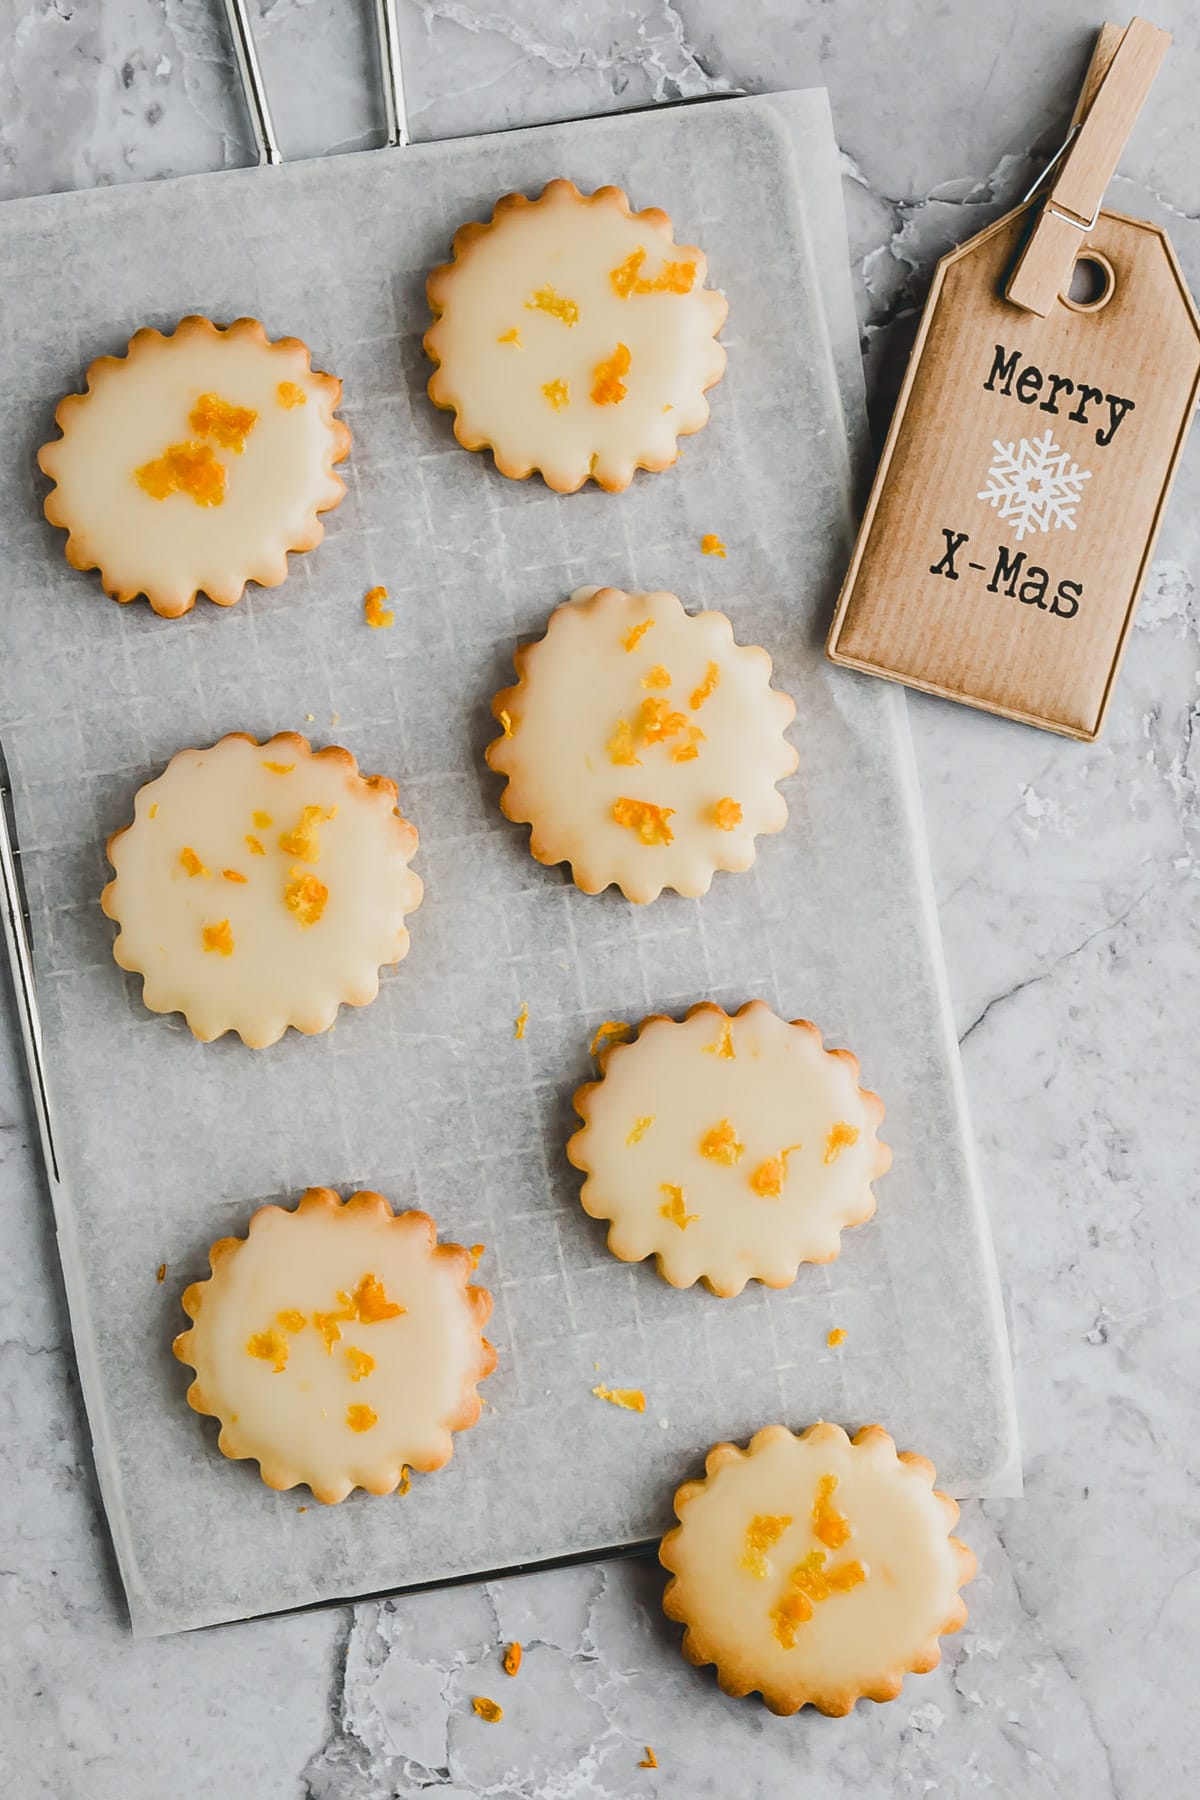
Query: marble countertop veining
(1067, 882)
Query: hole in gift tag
(1092, 283)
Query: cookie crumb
(487, 1709)
(711, 545)
(512, 1659)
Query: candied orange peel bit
(290, 394)
(305, 898)
(361, 1363)
(673, 1207)
(487, 1709)
(612, 1031)
(712, 679)
(230, 425)
(639, 1129)
(512, 1659)
(190, 469)
(608, 389)
(831, 1526)
(840, 1138)
(633, 637)
(191, 862)
(271, 1346)
(548, 300)
(727, 814)
(724, 1044)
(557, 393)
(520, 1022)
(836, 1336)
(360, 1417)
(711, 545)
(763, 1531)
(377, 615)
(632, 1399)
(219, 938)
(650, 822)
(624, 277)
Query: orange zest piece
(607, 387)
(712, 677)
(256, 848)
(835, 1337)
(650, 822)
(711, 545)
(721, 1144)
(672, 278)
(727, 814)
(360, 1363)
(510, 337)
(190, 469)
(548, 300)
(657, 677)
(831, 1526)
(305, 896)
(475, 1252)
(625, 276)
(649, 1761)
(656, 721)
(487, 1709)
(557, 393)
(330, 1324)
(724, 1044)
(512, 1659)
(621, 746)
(640, 1128)
(506, 724)
(377, 615)
(235, 875)
(272, 1347)
(160, 1274)
(290, 393)
(808, 1585)
(262, 819)
(191, 862)
(792, 1610)
(688, 751)
(769, 1177)
(371, 1303)
(840, 1138)
(632, 1399)
(764, 1530)
(405, 1479)
(520, 1022)
(219, 938)
(636, 633)
(291, 1321)
(153, 813)
(673, 1207)
(361, 1418)
(231, 425)
(302, 840)
(612, 1031)
(278, 768)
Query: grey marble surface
(1067, 882)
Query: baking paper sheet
(168, 1144)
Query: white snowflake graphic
(1034, 484)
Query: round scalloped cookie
(731, 1149)
(195, 462)
(338, 1344)
(261, 886)
(816, 1569)
(642, 744)
(573, 336)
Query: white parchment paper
(167, 1144)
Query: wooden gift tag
(1024, 478)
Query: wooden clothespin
(1120, 77)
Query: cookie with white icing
(339, 1344)
(573, 336)
(816, 1569)
(195, 462)
(642, 744)
(261, 886)
(731, 1149)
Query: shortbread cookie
(642, 744)
(573, 336)
(816, 1569)
(261, 886)
(195, 462)
(729, 1149)
(337, 1344)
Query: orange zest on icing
(371, 1303)
(235, 875)
(191, 862)
(632, 1399)
(520, 1022)
(487, 1709)
(636, 633)
(153, 813)
(278, 768)
(835, 1337)
(673, 1207)
(329, 1324)
(672, 278)
(607, 387)
(690, 749)
(377, 615)
(639, 1129)
(510, 337)
(305, 896)
(809, 1584)
(190, 469)
(840, 1138)
(612, 1031)
(724, 1044)
(303, 839)
(361, 1418)
(548, 300)
(231, 425)
(256, 848)
(262, 819)
(512, 1659)
(625, 275)
(721, 1144)
(557, 393)
(360, 1363)
(290, 393)
(271, 1346)
(656, 721)
(711, 545)
(727, 814)
(657, 677)
(764, 1530)
(712, 677)
(621, 746)
(769, 1177)
(291, 1321)
(219, 938)
(831, 1526)
(650, 822)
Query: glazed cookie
(261, 886)
(817, 1569)
(573, 336)
(337, 1344)
(642, 744)
(195, 462)
(729, 1149)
